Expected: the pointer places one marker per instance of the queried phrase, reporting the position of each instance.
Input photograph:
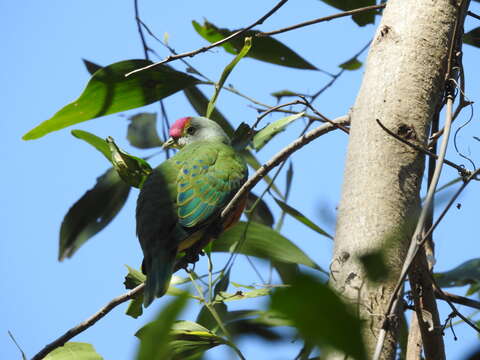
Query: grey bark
(402, 86)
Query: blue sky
(43, 71)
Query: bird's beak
(170, 143)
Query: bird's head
(191, 129)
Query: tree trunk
(403, 84)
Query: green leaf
(249, 327)
(155, 337)
(362, 19)
(95, 209)
(131, 169)
(374, 265)
(272, 129)
(284, 93)
(222, 284)
(466, 273)
(74, 351)
(352, 64)
(191, 340)
(142, 131)
(133, 278)
(302, 218)
(226, 72)
(320, 316)
(242, 137)
(261, 241)
(92, 68)
(264, 48)
(206, 319)
(286, 271)
(241, 295)
(109, 91)
(200, 102)
(472, 37)
(98, 143)
(261, 213)
(251, 160)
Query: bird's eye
(191, 130)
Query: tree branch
(88, 322)
(215, 44)
(457, 299)
(322, 19)
(461, 170)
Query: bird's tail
(159, 272)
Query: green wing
(209, 176)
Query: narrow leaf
(155, 336)
(337, 328)
(261, 213)
(131, 169)
(109, 91)
(241, 295)
(242, 136)
(262, 241)
(74, 351)
(265, 48)
(302, 218)
(268, 132)
(96, 208)
(142, 131)
(226, 72)
(472, 37)
(464, 274)
(98, 143)
(352, 64)
(200, 102)
(284, 93)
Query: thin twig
(146, 49)
(88, 322)
(320, 115)
(215, 44)
(274, 108)
(457, 299)
(450, 303)
(461, 170)
(322, 19)
(473, 15)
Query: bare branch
(215, 44)
(322, 19)
(88, 322)
(473, 15)
(462, 171)
(457, 299)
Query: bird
(181, 200)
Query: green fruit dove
(181, 200)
